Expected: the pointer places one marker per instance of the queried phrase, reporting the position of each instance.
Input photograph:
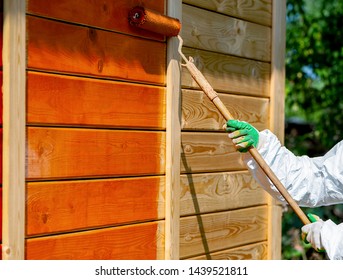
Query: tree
(314, 93)
(314, 67)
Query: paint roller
(153, 21)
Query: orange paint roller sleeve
(150, 20)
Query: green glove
(243, 135)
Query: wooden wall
(1, 35)
(224, 212)
(105, 176)
(95, 132)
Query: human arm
(326, 235)
(310, 181)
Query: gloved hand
(243, 134)
(312, 233)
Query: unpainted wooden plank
(199, 113)
(132, 242)
(257, 251)
(173, 139)
(63, 100)
(60, 47)
(228, 73)
(208, 152)
(73, 205)
(66, 153)
(14, 131)
(211, 31)
(111, 15)
(213, 192)
(203, 234)
(277, 118)
(259, 11)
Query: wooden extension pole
(213, 96)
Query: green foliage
(314, 92)
(314, 63)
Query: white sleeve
(332, 240)
(310, 181)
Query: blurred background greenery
(314, 99)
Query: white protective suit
(311, 182)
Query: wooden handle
(213, 96)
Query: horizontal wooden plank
(211, 31)
(199, 113)
(0, 215)
(228, 73)
(208, 152)
(73, 205)
(64, 100)
(66, 153)
(1, 153)
(112, 15)
(56, 46)
(1, 98)
(259, 11)
(203, 234)
(1, 35)
(257, 251)
(133, 242)
(204, 193)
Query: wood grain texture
(213, 192)
(203, 234)
(111, 15)
(257, 251)
(133, 242)
(0, 216)
(173, 141)
(199, 113)
(1, 33)
(207, 30)
(14, 131)
(65, 153)
(259, 11)
(229, 74)
(63, 100)
(1, 98)
(74, 205)
(56, 46)
(277, 116)
(1, 163)
(208, 152)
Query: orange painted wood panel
(108, 14)
(66, 153)
(72, 205)
(1, 99)
(133, 242)
(1, 148)
(61, 47)
(0, 215)
(1, 33)
(64, 100)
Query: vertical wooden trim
(14, 85)
(277, 119)
(172, 222)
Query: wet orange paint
(133, 242)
